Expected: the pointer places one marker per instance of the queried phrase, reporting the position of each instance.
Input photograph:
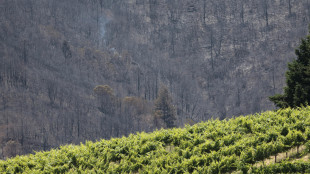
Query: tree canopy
(106, 97)
(297, 91)
(164, 109)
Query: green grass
(208, 147)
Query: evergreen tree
(164, 109)
(297, 91)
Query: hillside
(217, 58)
(209, 147)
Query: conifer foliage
(164, 109)
(297, 91)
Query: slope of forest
(218, 58)
(208, 147)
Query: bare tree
(52, 91)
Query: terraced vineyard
(214, 146)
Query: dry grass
(291, 154)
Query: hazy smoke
(103, 21)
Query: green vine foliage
(209, 147)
